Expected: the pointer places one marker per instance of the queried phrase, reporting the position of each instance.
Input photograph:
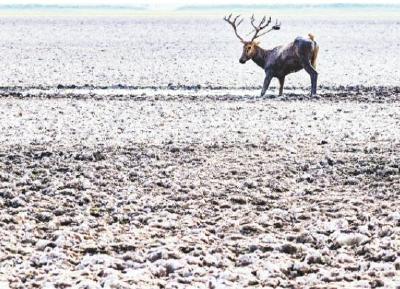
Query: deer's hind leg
(281, 84)
(313, 75)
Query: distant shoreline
(294, 11)
(193, 8)
(290, 6)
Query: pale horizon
(171, 4)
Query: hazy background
(171, 5)
(158, 43)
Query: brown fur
(315, 52)
(251, 49)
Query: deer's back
(288, 58)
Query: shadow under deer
(282, 60)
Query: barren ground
(136, 153)
(199, 194)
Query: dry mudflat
(199, 194)
(135, 153)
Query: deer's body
(281, 60)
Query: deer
(279, 61)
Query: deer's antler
(263, 24)
(233, 23)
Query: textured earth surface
(119, 169)
(199, 194)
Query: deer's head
(250, 47)
(249, 51)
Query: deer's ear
(256, 43)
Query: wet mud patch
(172, 92)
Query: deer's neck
(260, 58)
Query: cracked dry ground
(301, 196)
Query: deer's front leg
(267, 81)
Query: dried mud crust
(199, 194)
(200, 216)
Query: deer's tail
(315, 51)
